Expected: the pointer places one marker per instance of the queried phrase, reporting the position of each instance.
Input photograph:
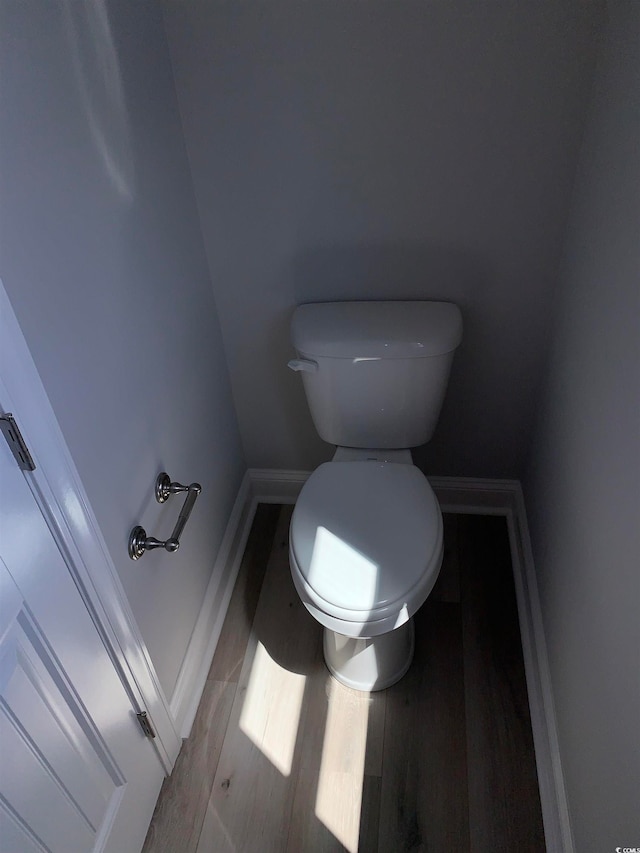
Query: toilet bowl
(365, 549)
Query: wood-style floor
(282, 758)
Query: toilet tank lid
(413, 329)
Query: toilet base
(369, 663)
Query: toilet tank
(375, 373)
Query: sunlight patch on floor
(271, 709)
(339, 798)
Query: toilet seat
(365, 545)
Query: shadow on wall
(403, 272)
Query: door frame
(58, 490)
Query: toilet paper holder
(139, 542)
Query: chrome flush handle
(306, 365)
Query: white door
(77, 773)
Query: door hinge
(145, 724)
(16, 442)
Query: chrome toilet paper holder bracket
(139, 542)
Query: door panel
(76, 772)
(14, 836)
(45, 732)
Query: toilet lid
(363, 534)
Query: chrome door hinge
(145, 724)
(16, 443)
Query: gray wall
(102, 258)
(583, 485)
(347, 150)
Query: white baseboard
(553, 795)
(258, 486)
(275, 486)
(197, 660)
(474, 496)
(490, 497)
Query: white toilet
(365, 544)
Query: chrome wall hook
(139, 542)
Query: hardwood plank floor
(181, 806)
(424, 787)
(282, 758)
(504, 803)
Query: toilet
(365, 542)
